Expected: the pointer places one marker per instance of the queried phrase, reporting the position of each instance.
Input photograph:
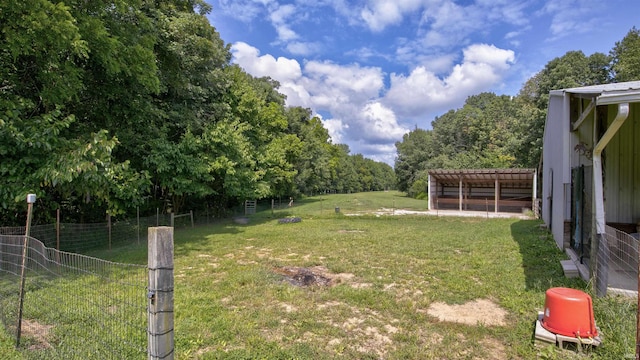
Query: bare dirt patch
(476, 312)
(495, 350)
(367, 331)
(38, 332)
(310, 276)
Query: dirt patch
(476, 312)
(494, 349)
(38, 332)
(311, 276)
(367, 331)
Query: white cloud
(380, 124)
(352, 94)
(422, 91)
(279, 18)
(352, 77)
(499, 59)
(281, 69)
(244, 10)
(303, 48)
(336, 129)
(381, 13)
(571, 16)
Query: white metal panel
(555, 159)
(621, 180)
(635, 119)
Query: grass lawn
(370, 287)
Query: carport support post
(496, 191)
(460, 194)
(160, 295)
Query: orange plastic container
(569, 312)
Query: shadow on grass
(541, 257)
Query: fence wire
(619, 256)
(75, 306)
(80, 238)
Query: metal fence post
(160, 296)
(31, 198)
(601, 270)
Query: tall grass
(232, 302)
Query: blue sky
(375, 69)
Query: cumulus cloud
(281, 69)
(354, 96)
(350, 93)
(380, 124)
(336, 129)
(423, 91)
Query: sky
(374, 70)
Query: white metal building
(591, 168)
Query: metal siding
(611, 181)
(554, 164)
(625, 189)
(635, 119)
(622, 172)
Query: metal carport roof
(513, 178)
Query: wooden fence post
(160, 296)
(57, 230)
(138, 223)
(109, 231)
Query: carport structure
(496, 190)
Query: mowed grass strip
(232, 302)
(401, 287)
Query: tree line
(499, 131)
(126, 104)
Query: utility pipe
(623, 113)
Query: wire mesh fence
(618, 256)
(75, 306)
(80, 238)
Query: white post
(534, 195)
(160, 296)
(31, 198)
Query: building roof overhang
(516, 178)
(606, 94)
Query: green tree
(625, 57)
(413, 152)
(43, 57)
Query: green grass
(359, 203)
(231, 302)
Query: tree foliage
(107, 106)
(491, 131)
(625, 55)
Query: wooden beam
(584, 116)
